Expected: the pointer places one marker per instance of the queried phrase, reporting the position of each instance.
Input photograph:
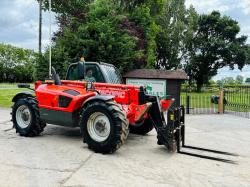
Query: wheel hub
(101, 126)
(98, 126)
(23, 116)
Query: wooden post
(221, 102)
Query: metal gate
(204, 102)
(237, 100)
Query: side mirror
(23, 85)
(81, 70)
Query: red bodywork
(127, 95)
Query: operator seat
(55, 77)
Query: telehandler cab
(105, 110)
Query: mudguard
(22, 95)
(98, 98)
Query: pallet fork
(170, 128)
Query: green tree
(228, 81)
(67, 12)
(188, 50)
(239, 79)
(215, 45)
(170, 40)
(72, 8)
(103, 37)
(155, 7)
(108, 33)
(16, 64)
(147, 29)
(247, 80)
(212, 82)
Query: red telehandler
(104, 110)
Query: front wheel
(104, 126)
(25, 117)
(142, 128)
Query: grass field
(7, 92)
(198, 100)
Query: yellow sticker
(172, 117)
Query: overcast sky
(19, 23)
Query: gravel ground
(59, 158)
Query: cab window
(93, 73)
(113, 75)
(72, 73)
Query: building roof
(156, 74)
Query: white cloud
(245, 6)
(245, 30)
(24, 3)
(226, 72)
(209, 5)
(27, 44)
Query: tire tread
(121, 129)
(37, 125)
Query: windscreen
(96, 73)
(112, 74)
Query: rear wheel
(104, 126)
(25, 117)
(142, 128)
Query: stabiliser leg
(178, 139)
(178, 120)
(182, 121)
(170, 128)
(183, 135)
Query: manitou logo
(119, 94)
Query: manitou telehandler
(105, 110)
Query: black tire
(141, 128)
(35, 126)
(118, 126)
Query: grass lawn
(6, 96)
(7, 92)
(7, 85)
(199, 100)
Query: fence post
(221, 102)
(187, 104)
